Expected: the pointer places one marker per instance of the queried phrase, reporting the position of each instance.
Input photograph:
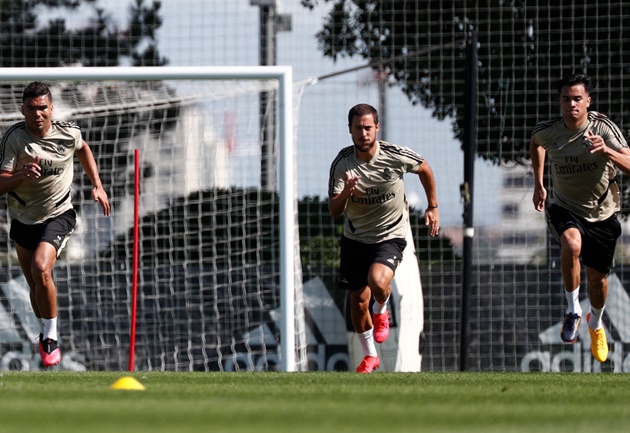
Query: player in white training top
(366, 185)
(584, 149)
(36, 171)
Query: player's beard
(365, 147)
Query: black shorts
(357, 257)
(54, 231)
(599, 239)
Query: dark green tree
(29, 38)
(524, 48)
(143, 26)
(27, 41)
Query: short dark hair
(35, 90)
(362, 110)
(575, 79)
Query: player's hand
(31, 170)
(337, 202)
(540, 195)
(596, 143)
(100, 196)
(351, 183)
(432, 219)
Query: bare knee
(571, 242)
(41, 272)
(379, 280)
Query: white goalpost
(197, 198)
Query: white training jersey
(35, 201)
(583, 183)
(377, 209)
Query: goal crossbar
(286, 188)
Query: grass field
(70, 402)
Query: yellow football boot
(599, 345)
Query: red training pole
(134, 290)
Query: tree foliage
(36, 33)
(523, 50)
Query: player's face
(37, 113)
(363, 130)
(574, 102)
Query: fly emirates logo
(373, 196)
(49, 169)
(572, 165)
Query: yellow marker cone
(128, 383)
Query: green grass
(315, 402)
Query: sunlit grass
(315, 402)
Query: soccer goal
(219, 277)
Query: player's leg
(597, 292)
(37, 268)
(55, 233)
(43, 261)
(379, 280)
(26, 238)
(25, 257)
(42, 265)
(353, 269)
(570, 246)
(387, 257)
(359, 309)
(362, 323)
(600, 241)
(564, 227)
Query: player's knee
(380, 284)
(380, 279)
(41, 273)
(572, 244)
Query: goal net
(219, 278)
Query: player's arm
(432, 214)
(621, 157)
(337, 202)
(537, 154)
(86, 158)
(9, 180)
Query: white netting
(209, 293)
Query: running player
(366, 184)
(36, 170)
(584, 149)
